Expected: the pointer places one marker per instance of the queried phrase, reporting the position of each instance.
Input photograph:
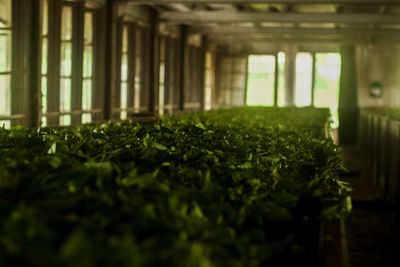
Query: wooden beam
(77, 61)
(355, 38)
(181, 67)
(110, 57)
(297, 40)
(232, 30)
(363, 2)
(199, 17)
(34, 108)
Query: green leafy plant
(239, 187)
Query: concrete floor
(372, 229)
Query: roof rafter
(200, 17)
(245, 31)
(378, 2)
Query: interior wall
(378, 63)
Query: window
(161, 89)
(208, 81)
(87, 74)
(5, 63)
(304, 79)
(66, 65)
(124, 73)
(138, 68)
(281, 80)
(45, 41)
(261, 80)
(327, 83)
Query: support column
(34, 92)
(110, 44)
(348, 106)
(77, 62)
(203, 51)
(181, 66)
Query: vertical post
(77, 62)
(116, 96)
(276, 85)
(218, 74)
(245, 80)
(313, 76)
(17, 61)
(99, 64)
(181, 64)
(110, 50)
(34, 105)
(203, 51)
(167, 70)
(131, 67)
(348, 103)
(53, 73)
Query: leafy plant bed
(241, 187)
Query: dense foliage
(243, 187)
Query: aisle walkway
(372, 232)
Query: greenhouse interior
(199, 133)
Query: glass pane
(5, 124)
(125, 39)
(44, 56)
(87, 62)
(87, 94)
(261, 80)
(5, 13)
(327, 83)
(86, 117)
(208, 82)
(304, 65)
(162, 73)
(137, 84)
(66, 23)
(66, 59)
(137, 97)
(281, 80)
(5, 50)
(124, 95)
(65, 95)
(65, 120)
(44, 121)
(44, 94)
(124, 68)
(45, 22)
(137, 70)
(88, 32)
(161, 100)
(5, 94)
(124, 115)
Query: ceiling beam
(301, 40)
(364, 2)
(200, 17)
(232, 30)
